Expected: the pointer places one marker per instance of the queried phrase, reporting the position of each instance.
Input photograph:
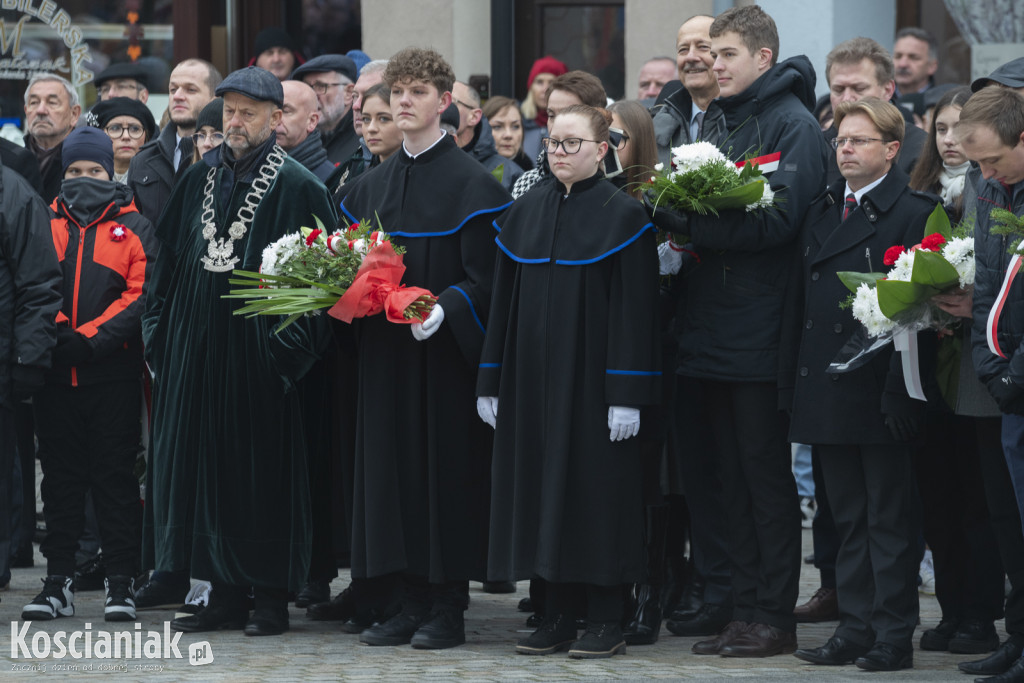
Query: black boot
(645, 622)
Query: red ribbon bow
(377, 288)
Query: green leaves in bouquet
(938, 222)
(691, 191)
(853, 280)
(932, 275)
(737, 197)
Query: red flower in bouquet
(892, 254)
(118, 233)
(311, 237)
(933, 242)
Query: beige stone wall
(651, 27)
(459, 29)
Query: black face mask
(85, 198)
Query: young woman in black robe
(570, 355)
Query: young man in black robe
(422, 472)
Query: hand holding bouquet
(354, 273)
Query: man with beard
(297, 133)
(152, 172)
(229, 494)
(333, 78)
(51, 110)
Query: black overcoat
(847, 408)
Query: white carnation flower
(959, 251)
(765, 201)
(690, 157)
(277, 254)
(659, 167)
(867, 312)
(903, 267)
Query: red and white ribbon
(992, 326)
(766, 163)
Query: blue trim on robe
(471, 309)
(608, 253)
(443, 233)
(517, 258)
(490, 365)
(638, 373)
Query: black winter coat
(29, 282)
(847, 408)
(151, 173)
(735, 295)
(342, 142)
(992, 259)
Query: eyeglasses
(107, 88)
(200, 138)
(856, 142)
(116, 130)
(463, 104)
(570, 145)
(322, 88)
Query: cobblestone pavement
(317, 651)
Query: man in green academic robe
(228, 489)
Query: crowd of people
(602, 401)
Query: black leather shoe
(836, 652)
(525, 605)
(212, 619)
(974, 637)
(997, 663)
(644, 626)
(398, 630)
(690, 600)
(314, 592)
(267, 622)
(534, 620)
(554, 635)
(158, 595)
(709, 621)
(499, 587)
(357, 624)
(339, 608)
(444, 629)
(886, 657)
(1015, 674)
(600, 641)
(937, 639)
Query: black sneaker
(120, 602)
(555, 634)
(155, 594)
(600, 641)
(442, 630)
(398, 630)
(57, 599)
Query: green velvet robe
(227, 482)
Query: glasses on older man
(322, 88)
(570, 145)
(116, 130)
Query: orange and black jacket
(106, 250)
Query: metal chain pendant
(220, 256)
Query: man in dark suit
(860, 422)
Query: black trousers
(955, 519)
(871, 490)
(1004, 517)
(823, 529)
(8, 522)
(88, 439)
(762, 506)
(695, 455)
(26, 521)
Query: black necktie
(185, 146)
(851, 204)
(698, 120)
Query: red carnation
(933, 242)
(892, 254)
(118, 233)
(312, 237)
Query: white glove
(487, 408)
(669, 259)
(623, 422)
(429, 326)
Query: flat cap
(123, 70)
(340, 63)
(255, 83)
(1010, 74)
